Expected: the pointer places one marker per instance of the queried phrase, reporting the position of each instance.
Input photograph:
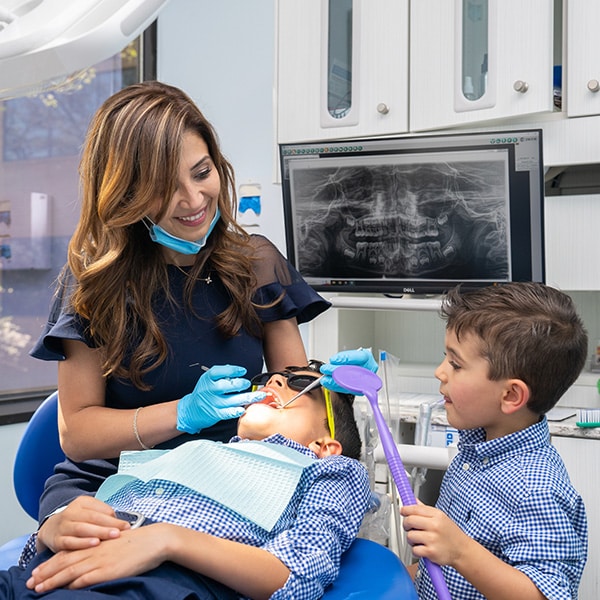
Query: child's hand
(83, 523)
(432, 534)
(134, 552)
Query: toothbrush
(362, 381)
(588, 417)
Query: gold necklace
(206, 280)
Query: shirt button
(159, 492)
(466, 466)
(485, 460)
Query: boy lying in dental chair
(255, 519)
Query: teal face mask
(164, 238)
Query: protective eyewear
(295, 381)
(302, 383)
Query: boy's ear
(516, 395)
(325, 446)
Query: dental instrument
(362, 381)
(311, 386)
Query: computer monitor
(416, 214)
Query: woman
(161, 284)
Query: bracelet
(135, 430)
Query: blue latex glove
(361, 358)
(213, 399)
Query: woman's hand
(84, 523)
(214, 399)
(362, 357)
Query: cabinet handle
(383, 108)
(593, 85)
(520, 86)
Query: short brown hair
(528, 331)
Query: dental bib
(254, 479)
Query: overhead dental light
(45, 43)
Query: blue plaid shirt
(319, 523)
(514, 497)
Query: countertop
(405, 408)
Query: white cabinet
(581, 457)
(512, 41)
(341, 75)
(571, 224)
(346, 72)
(583, 54)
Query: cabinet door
(571, 239)
(581, 457)
(342, 68)
(477, 60)
(583, 55)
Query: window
(40, 143)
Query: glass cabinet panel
(339, 58)
(475, 20)
(342, 68)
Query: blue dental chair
(369, 571)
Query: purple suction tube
(357, 380)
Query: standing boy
(508, 523)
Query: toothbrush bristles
(588, 415)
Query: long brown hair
(131, 159)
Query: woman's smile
(193, 220)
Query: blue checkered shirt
(319, 523)
(513, 496)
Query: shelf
(383, 303)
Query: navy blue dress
(193, 340)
